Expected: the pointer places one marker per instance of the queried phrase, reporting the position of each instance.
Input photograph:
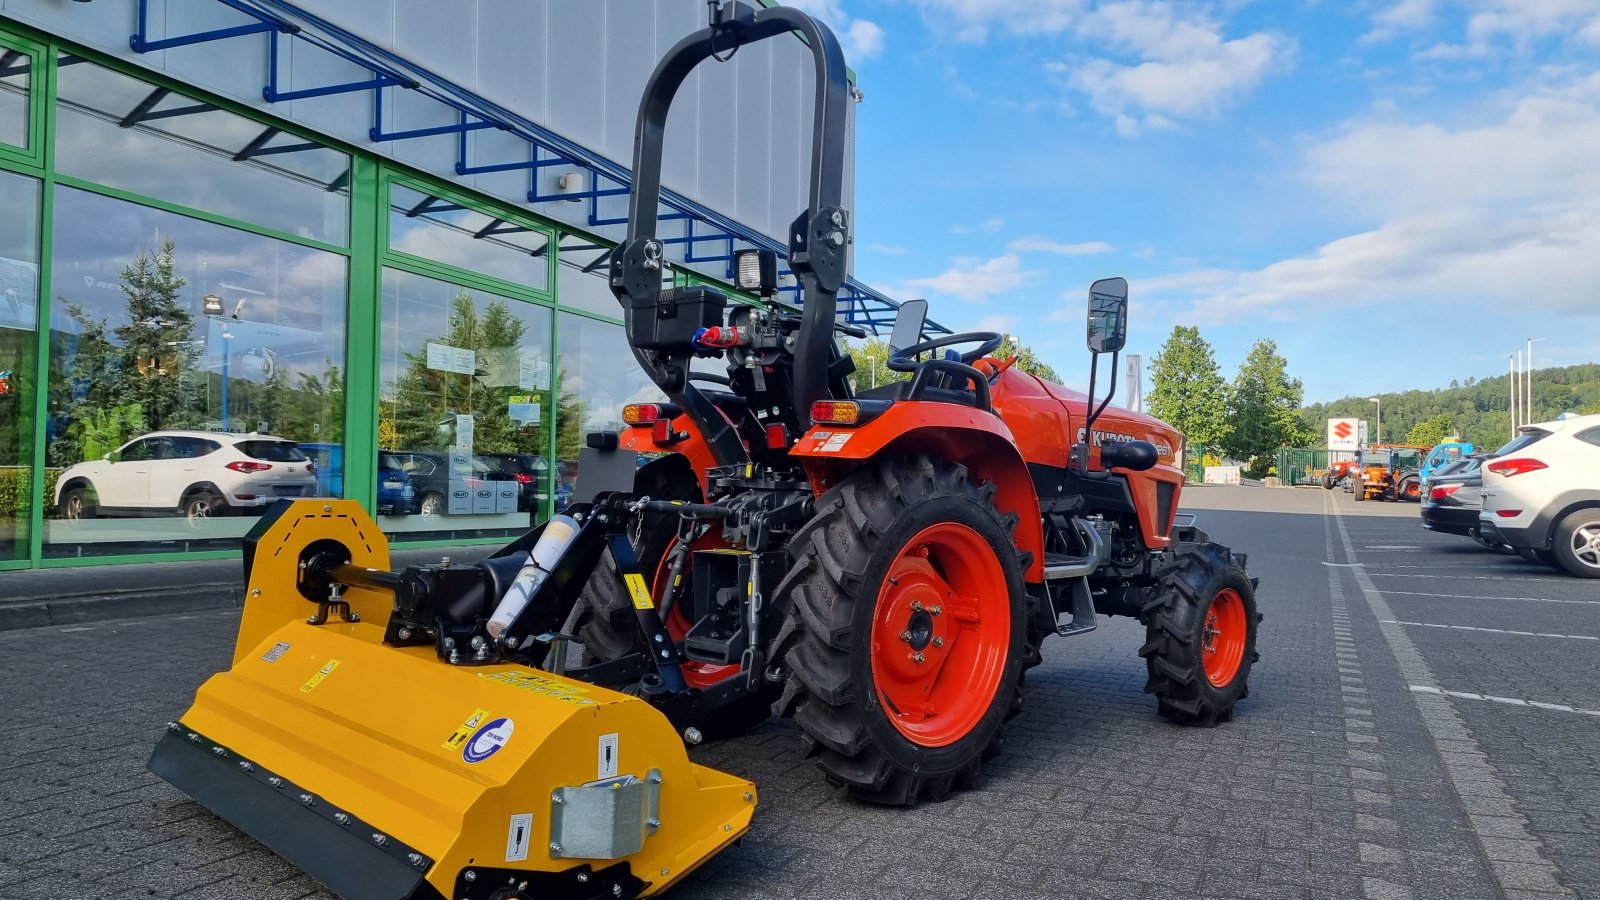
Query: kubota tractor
(882, 565)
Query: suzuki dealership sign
(1346, 434)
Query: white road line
(1573, 637)
(1469, 773)
(1475, 597)
(1509, 701)
(1519, 577)
(79, 628)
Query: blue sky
(1398, 192)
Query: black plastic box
(677, 315)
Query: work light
(756, 272)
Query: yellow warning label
(314, 680)
(465, 729)
(641, 594)
(565, 691)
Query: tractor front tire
(1200, 636)
(905, 634)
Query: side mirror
(112, 457)
(908, 324)
(1108, 315)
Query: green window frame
(40, 69)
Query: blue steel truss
(278, 19)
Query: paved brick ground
(1337, 779)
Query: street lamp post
(1379, 401)
(1511, 379)
(1527, 403)
(227, 341)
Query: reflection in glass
(582, 276)
(134, 355)
(14, 73)
(598, 376)
(463, 408)
(119, 131)
(437, 229)
(19, 303)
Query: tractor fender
(975, 438)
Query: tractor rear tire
(1410, 490)
(1359, 488)
(907, 587)
(1328, 481)
(1200, 636)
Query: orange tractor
(882, 565)
(1389, 472)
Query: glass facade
(185, 304)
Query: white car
(188, 473)
(1541, 495)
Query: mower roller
(881, 565)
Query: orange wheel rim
(1222, 637)
(940, 634)
(698, 674)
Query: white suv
(187, 473)
(1541, 495)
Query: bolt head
(836, 238)
(255, 592)
(327, 508)
(246, 766)
(583, 877)
(468, 875)
(308, 800)
(275, 781)
(916, 605)
(616, 890)
(837, 218)
(663, 872)
(379, 839)
(416, 859)
(905, 636)
(935, 610)
(558, 799)
(555, 847)
(748, 796)
(219, 751)
(938, 642)
(342, 818)
(918, 657)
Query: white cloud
(860, 38)
(976, 281)
(1185, 67)
(991, 225)
(1045, 245)
(1501, 216)
(888, 249)
(1489, 24)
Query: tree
(1187, 390)
(1264, 405)
(156, 343)
(1430, 431)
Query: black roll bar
(819, 238)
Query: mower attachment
(388, 774)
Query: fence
(1194, 468)
(1301, 465)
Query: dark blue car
(396, 497)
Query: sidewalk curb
(40, 612)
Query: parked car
(1451, 500)
(1541, 495)
(396, 497)
(431, 473)
(532, 474)
(190, 473)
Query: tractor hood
(1015, 389)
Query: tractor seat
(897, 391)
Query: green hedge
(16, 484)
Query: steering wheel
(905, 359)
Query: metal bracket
(334, 604)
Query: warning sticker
(608, 756)
(465, 729)
(517, 837)
(277, 651)
(641, 594)
(322, 673)
(835, 442)
(533, 683)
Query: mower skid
(388, 775)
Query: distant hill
(1479, 410)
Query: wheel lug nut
(905, 636)
(916, 605)
(917, 657)
(938, 642)
(936, 610)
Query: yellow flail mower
(344, 740)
